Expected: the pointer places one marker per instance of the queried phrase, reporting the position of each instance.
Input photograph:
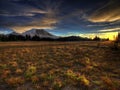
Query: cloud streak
(110, 30)
(108, 13)
(16, 9)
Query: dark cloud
(9, 8)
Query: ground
(59, 66)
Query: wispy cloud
(110, 29)
(16, 9)
(97, 25)
(108, 13)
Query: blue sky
(61, 17)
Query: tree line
(37, 38)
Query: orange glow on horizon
(110, 35)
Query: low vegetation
(59, 66)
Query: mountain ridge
(41, 33)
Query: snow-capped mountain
(14, 33)
(40, 33)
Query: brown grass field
(59, 66)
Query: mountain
(73, 38)
(40, 33)
(14, 33)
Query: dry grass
(58, 66)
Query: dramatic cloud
(61, 17)
(48, 21)
(23, 16)
(9, 8)
(108, 13)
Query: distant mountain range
(41, 35)
(36, 32)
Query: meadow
(59, 66)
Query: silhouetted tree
(3, 38)
(12, 37)
(117, 41)
(96, 38)
(35, 38)
(28, 37)
(118, 37)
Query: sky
(86, 18)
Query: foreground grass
(58, 66)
